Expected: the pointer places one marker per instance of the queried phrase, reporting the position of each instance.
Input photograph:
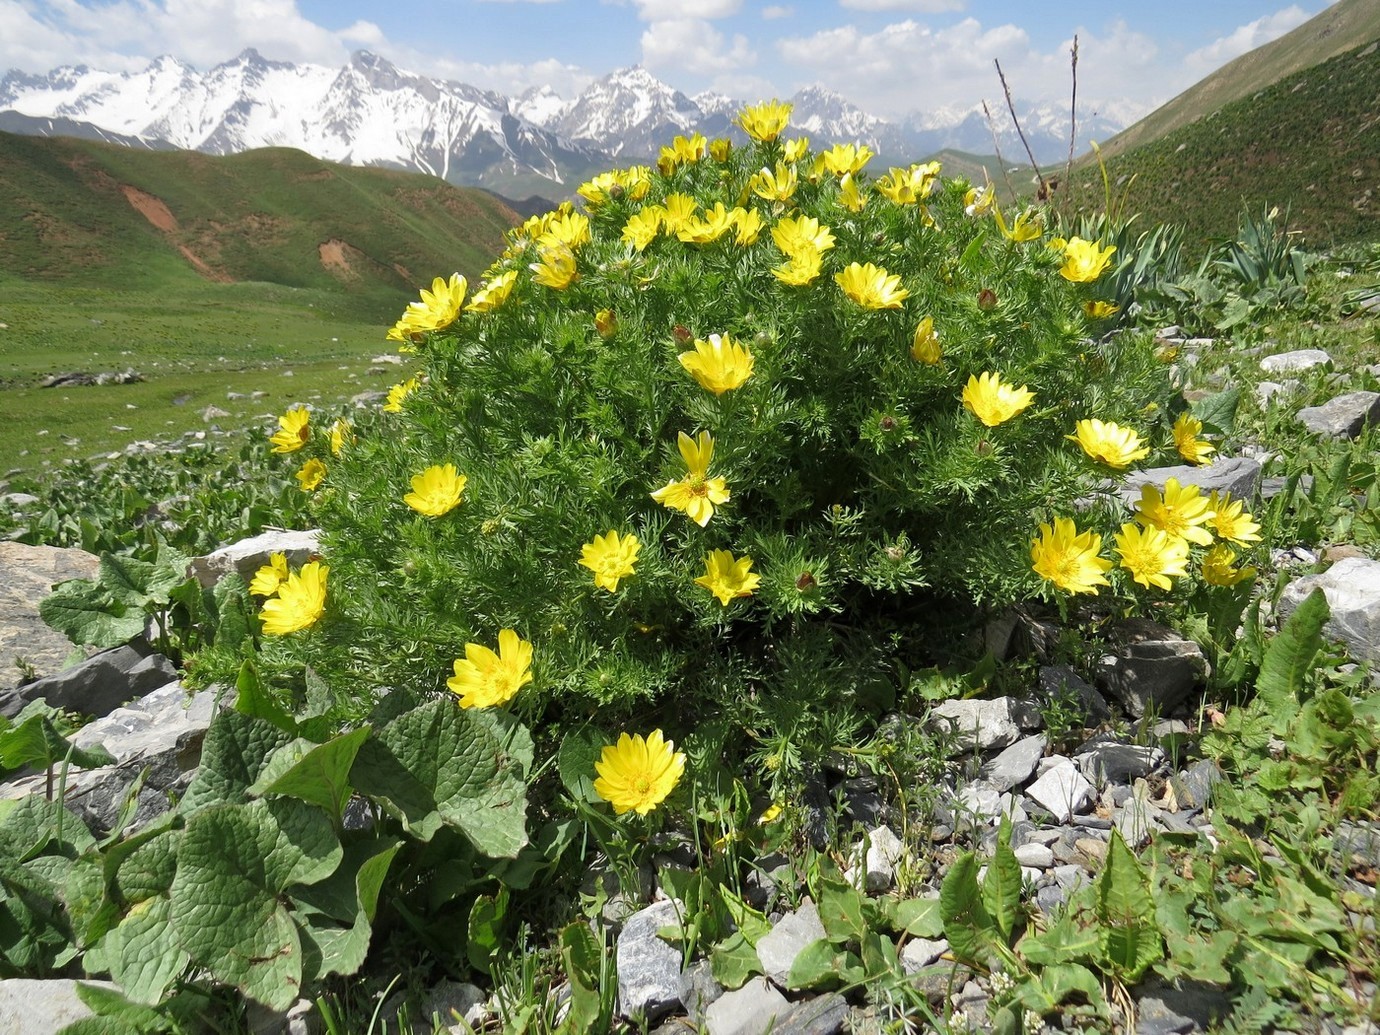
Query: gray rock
(1359, 840)
(1041, 857)
(1267, 392)
(31, 1007)
(862, 802)
(97, 685)
(698, 990)
(648, 968)
(1296, 361)
(823, 1015)
(1062, 791)
(1187, 1006)
(1193, 786)
(249, 555)
(1352, 588)
(1109, 762)
(301, 1018)
(1060, 682)
(978, 804)
(983, 725)
(750, 1010)
(878, 864)
(18, 500)
(1155, 1017)
(1343, 417)
(1134, 821)
(779, 947)
(27, 575)
(921, 952)
(1013, 766)
(1154, 669)
(1238, 475)
(158, 736)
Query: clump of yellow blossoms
(1085, 261)
(1069, 558)
(1109, 442)
(719, 364)
(484, 678)
(299, 603)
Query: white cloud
(679, 10)
(1246, 37)
(694, 46)
(918, 6)
(508, 77)
(772, 12)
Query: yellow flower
(311, 474)
(803, 267)
(993, 401)
(765, 121)
(719, 364)
(556, 268)
(637, 775)
(1151, 555)
(438, 307)
(696, 494)
(293, 431)
(714, 224)
(924, 347)
(398, 393)
(598, 189)
(1231, 521)
(1181, 511)
(871, 287)
(803, 234)
(642, 227)
(1109, 442)
(301, 600)
(677, 211)
(1027, 226)
(436, 490)
(1186, 431)
(797, 149)
(268, 578)
(1099, 310)
(720, 148)
(680, 151)
(728, 577)
(494, 293)
(483, 679)
(1085, 261)
(774, 186)
(340, 434)
(569, 228)
(1069, 558)
(610, 557)
(849, 195)
(606, 323)
(978, 201)
(842, 159)
(747, 223)
(907, 186)
(1218, 567)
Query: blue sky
(889, 56)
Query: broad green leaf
(142, 952)
(917, 917)
(823, 965)
(967, 925)
(37, 826)
(752, 923)
(1218, 411)
(1289, 658)
(349, 895)
(1056, 984)
(143, 865)
(88, 614)
(1065, 940)
(83, 896)
(251, 698)
(734, 960)
(232, 622)
(1001, 885)
(878, 954)
(440, 764)
(841, 912)
(580, 749)
(1129, 935)
(234, 753)
(128, 579)
(233, 866)
(109, 1005)
(582, 959)
(1203, 958)
(485, 929)
(543, 853)
(319, 775)
(37, 742)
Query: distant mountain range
(372, 113)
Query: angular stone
(823, 1015)
(1041, 857)
(249, 555)
(779, 947)
(1343, 417)
(1015, 764)
(34, 1007)
(1154, 670)
(1108, 762)
(921, 952)
(977, 804)
(1193, 786)
(27, 575)
(1062, 791)
(1267, 392)
(750, 1010)
(648, 968)
(97, 685)
(976, 724)
(1352, 588)
(1134, 821)
(1296, 361)
(1238, 475)
(698, 989)
(878, 870)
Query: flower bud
(806, 581)
(987, 299)
(682, 333)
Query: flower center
(696, 485)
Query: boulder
(1344, 416)
(249, 555)
(779, 947)
(27, 575)
(97, 685)
(1154, 669)
(976, 724)
(42, 1007)
(1352, 588)
(648, 968)
(1238, 475)
(1062, 791)
(1293, 362)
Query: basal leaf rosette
(817, 320)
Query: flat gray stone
(97, 685)
(698, 989)
(1040, 857)
(750, 1010)
(975, 724)
(648, 968)
(1134, 821)
(1267, 392)
(27, 575)
(1352, 588)
(1154, 669)
(878, 863)
(1015, 764)
(1060, 683)
(249, 555)
(1296, 361)
(921, 952)
(823, 1015)
(1238, 475)
(1107, 762)
(1193, 786)
(1063, 791)
(778, 948)
(34, 1007)
(1343, 417)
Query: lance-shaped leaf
(1128, 933)
(315, 773)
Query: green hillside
(93, 214)
(1344, 26)
(1309, 143)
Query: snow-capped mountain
(372, 113)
